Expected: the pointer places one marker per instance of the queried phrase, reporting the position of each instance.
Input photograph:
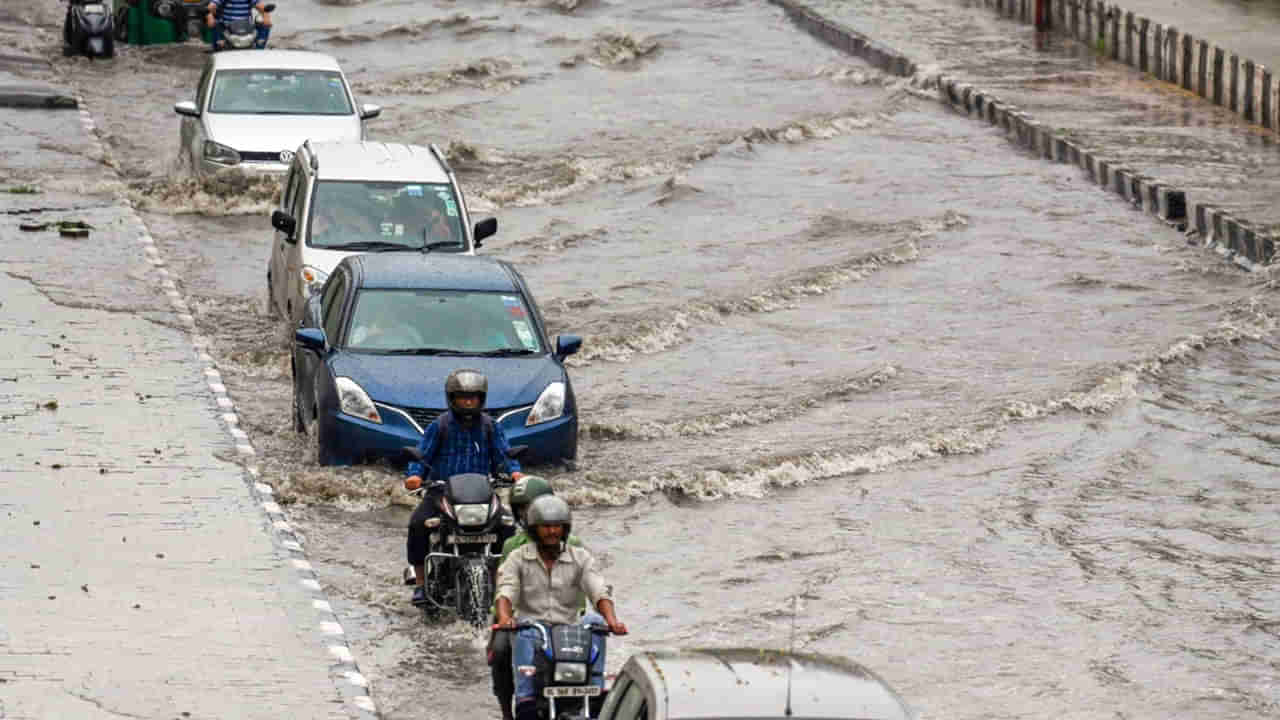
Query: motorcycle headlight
(354, 401)
(550, 405)
(313, 279)
(571, 673)
(471, 515)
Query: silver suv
(346, 198)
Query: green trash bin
(148, 29)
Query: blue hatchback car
(376, 343)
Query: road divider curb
(351, 684)
(1232, 237)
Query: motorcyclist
(526, 490)
(237, 10)
(542, 580)
(463, 439)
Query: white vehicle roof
(377, 161)
(274, 60)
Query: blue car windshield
(443, 322)
(279, 92)
(346, 214)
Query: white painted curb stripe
(330, 628)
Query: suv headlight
(571, 673)
(313, 279)
(221, 154)
(550, 405)
(471, 515)
(354, 401)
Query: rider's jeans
(529, 640)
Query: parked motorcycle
(245, 33)
(88, 29)
(466, 543)
(562, 662)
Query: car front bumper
(353, 440)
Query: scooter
(88, 29)
(466, 543)
(246, 33)
(562, 669)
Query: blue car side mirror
(567, 345)
(310, 338)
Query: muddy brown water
(1013, 443)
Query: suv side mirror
(567, 345)
(369, 111)
(186, 107)
(484, 229)
(285, 223)
(310, 338)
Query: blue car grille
(425, 416)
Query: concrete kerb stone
(878, 55)
(345, 673)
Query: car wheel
(298, 425)
(324, 456)
(271, 295)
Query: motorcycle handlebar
(526, 624)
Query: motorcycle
(88, 29)
(562, 669)
(465, 543)
(245, 33)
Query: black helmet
(466, 381)
(549, 510)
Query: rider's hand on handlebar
(617, 627)
(507, 624)
(413, 482)
(516, 475)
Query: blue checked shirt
(467, 450)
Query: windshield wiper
(367, 245)
(508, 352)
(422, 351)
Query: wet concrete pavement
(139, 577)
(1105, 107)
(1246, 27)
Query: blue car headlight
(354, 401)
(550, 405)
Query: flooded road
(1013, 443)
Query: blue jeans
(529, 640)
(259, 42)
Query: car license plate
(472, 539)
(571, 691)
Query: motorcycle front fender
(95, 45)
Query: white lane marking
(341, 652)
(263, 488)
(282, 526)
(311, 584)
(239, 434)
(271, 508)
(225, 402)
(331, 628)
(356, 678)
(364, 702)
(213, 373)
(292, 545)
(246, 450)
(301, 564)
(230, 419)
(218, 388)
(322, 605)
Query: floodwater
(1013, 443)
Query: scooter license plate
(571, 691)
(472, 539)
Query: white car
(347, 198)
(254, 108)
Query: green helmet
(525, 491)
(550, 510)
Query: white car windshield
(279, 92)
(442, 322)
(367, 216)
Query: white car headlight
(550, 405)
(313, 279)
(354, 401)
(471, 515)
(571, 672)
(221, 154)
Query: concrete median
(1238, 218)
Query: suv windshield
(379, 215)
(279, 92)
(443, 322)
